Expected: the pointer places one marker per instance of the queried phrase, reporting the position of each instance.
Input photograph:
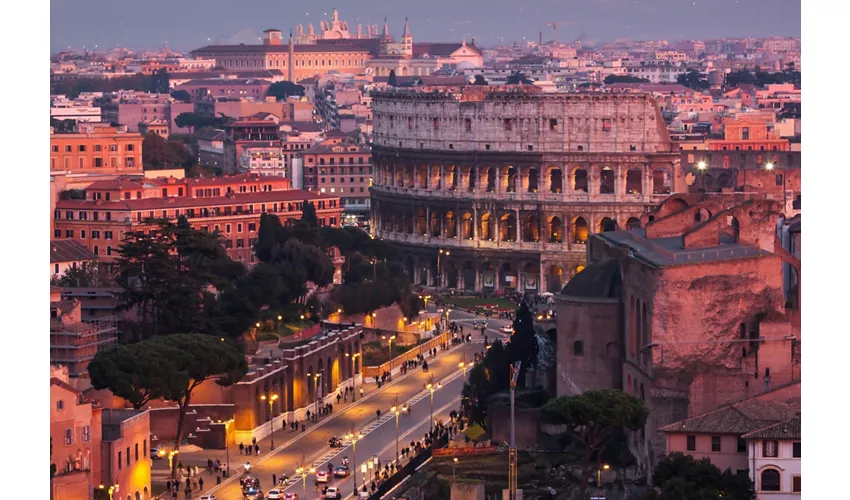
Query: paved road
(313, 444)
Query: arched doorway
(554, 279)
(556, 181)
(451, 225)
(606, 181)
(530, 277)
(490, 174)
(556, 230)
(579, 179)
(634, 181)
(509, 175)
(508, 276)
(450, 273)
(701, 215)
(423, 272)
(580, 230)
(633, 223)
(661, 181)
(408, 267)
(486, 227)
(468, 275)
(531, 228)
(466, 226)
(507, 227)
(421, 222)
(607, 224)
(533, 180)
(435, 224)
(488, 276)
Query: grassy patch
(377, 353)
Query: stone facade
(510, 181)
(687, 313)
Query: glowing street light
(599, 474)
(454, 468)
(316, 379)
(271, 398)
(769, 166)
(391, 347)
(702, 165)
(303, 471)
(354, 374)
(354, 437)
(397, 411)
(431, 388)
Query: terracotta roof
(789, 429)
(113, 184)
(223, 81)
(201, 75)
(187, 202)
(262, 49)
(69, 251)
(440, 49)
(64, 385)
(739, 418)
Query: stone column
(592, 183)
(497, 235)
(442, 224)
(427, 223)
(619, 183)
(518, 227)
(477, 278)
(474, 223)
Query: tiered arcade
(498, 188)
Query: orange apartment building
(125, 452)
(341, 169)
(231, 205)
(96, 150)
(75, 434)
(748, 134)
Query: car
(341, 471)
(333, 492)
(290, 496)
(155, 454)
(252, 494)
(275, 494)
(322, 476)
(508, 329)
(249, 483)
(206, 497)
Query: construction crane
(554, 26)
(512, 453)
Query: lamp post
(227, 446)
(279, 322)
(303, 471)
(354, 436)
(391, 347)
(395, 409)
(113, 488)
(316, 380)
(454, 469)
(271, 398)
(599, 475)
(431, 388)
(353, 373)
(439, 274)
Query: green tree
(736, 78)
(169, 367)
(197, 121)
(479, 80)
(608, 80)
(485, 380)
(160, 82)
(182, 95)
(159, 153)
(523, 346)
(682, 477)
(87, 274)
(285, 89)
(693, 79)
(517, 78)
(63, 126)
(309, 219)
(392, 80)
(592, 419)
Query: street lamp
(316, 379)
(439, 275)
(354, 437)
(113, 488)
(702, 165)
(431, 388)
(271, 398)
(398, 411)
(279, 319)
(599, 474)
(768, 166)
(353, 374)
(391, 348)
(454, 469)
(227, 446)
(303, 471)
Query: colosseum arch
(606, 180)
(554, 279)
(634, 181)
(422, 267)
(422, 176)
(409, 267)
(466, 226)
(488, 275)
(487, 230)
(488, 179)
(607, 224)
(435, 223)
(435, 177)
(661, 181)
(451, 225)
(509, 177)
(398, 175)
(410, 177)
(633, 223)
(451, 177)
(531, 228)
(578, 179)
(556, 230)
(531, 277)
(579, 230)
(471, 178)
(507, 227)
(532, 180)
(733, 232)
(508, 276)
(408, 222)
(555, 180)
(421, 222)
(468, 271)
(450, 271)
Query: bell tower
(406, 41)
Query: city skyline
(597, 20)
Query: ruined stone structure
(509, 182)
(687, 312)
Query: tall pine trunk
(181, 418)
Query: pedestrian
(168, 485)
(274, 479)
(200, 483)
(257, 448)
(241, 448)
(188, 483)
(188, 492)
(338, 398)
(254, 440)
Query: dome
(601, 280)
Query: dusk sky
(188, 24)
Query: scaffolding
(75, 344)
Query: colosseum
(498, 188)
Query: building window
(82, 234)
(82, 148)
(770, 480)
(60, 405)
(69, 437)
(770, 449)
(119, 460)
(252, 226)
(137, 452)
(67, 148)
(796, 452)
(509, 124)
(578, 348)
(129, 147)
(128, 455)
(145, 448)
(57, 233)
(742, 445)
(108, 250)
(692, 443)
(107, 235)
(69, 233)
(795, 484)
(553, 124)
(715, 444)
(745, 133)
(86, 433)
(69, 215)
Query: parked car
(341, 471)
(155, 454)
(207, 497)
(322, 476)
(275, 494)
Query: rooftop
(738, 418)
(789, 429)
(69, 251)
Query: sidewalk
(160, 472)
